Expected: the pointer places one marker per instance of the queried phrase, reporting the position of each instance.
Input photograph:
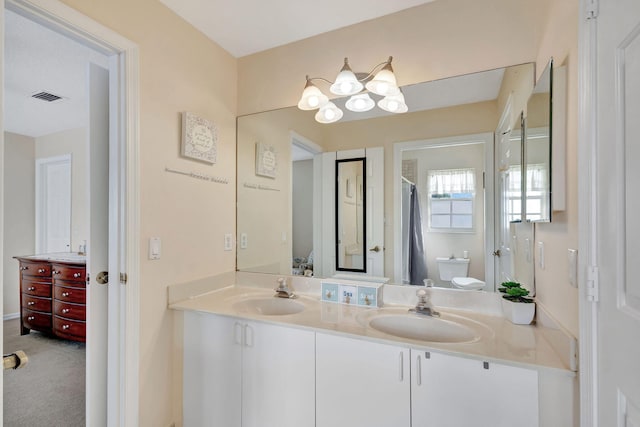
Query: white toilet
(455, 270)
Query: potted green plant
(516, 306)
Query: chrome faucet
(283, 290)
(424, 306)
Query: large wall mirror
(285, 217)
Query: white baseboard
(11, 316)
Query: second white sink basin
(423, 328)
(269, 306)
(448, 328)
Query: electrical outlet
(228, 242)
(573, 267)
(243, 240)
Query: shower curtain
(415, 261)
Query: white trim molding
(587, 196)
(123, 405)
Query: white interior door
(617, 200)
(375, 211)
(53, 204)
(98, 244)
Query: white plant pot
(519, 313)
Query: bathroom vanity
(52, 295)
(254, 360)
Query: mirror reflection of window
(451, 194)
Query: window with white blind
(451, 196)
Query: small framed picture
(266, 160)
(199, 138)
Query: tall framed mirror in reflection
(351, 199)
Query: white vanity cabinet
(361, 383)
(450, 391)
(247, 374)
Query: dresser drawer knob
(31, 288)
(31, 317)
(24, 268)
(76, 275)
(66, 310)
(31, 303)
(65, 327)
(65, 294)
(41, 270)
(56, 271)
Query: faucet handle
(282, 283)
(422, 295)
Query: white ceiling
(38, 59)
(243, 27)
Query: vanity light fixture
(380, 81)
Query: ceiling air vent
(46, 96)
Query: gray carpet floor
(50, 390)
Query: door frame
(489, 206)
(40, 163)
(587, 208)
(123, 392)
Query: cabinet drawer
(36, 303)
(42, 269)
(36, 320)
(38, 289)
(69, 310)
(66, 294)
(71, 329)
(66, 272)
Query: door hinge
(593, 284)
(592, 9)
(123, 278)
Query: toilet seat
(467, 283)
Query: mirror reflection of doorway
(53, 204)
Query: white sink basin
(269, 306)
(448, 328)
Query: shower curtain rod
(407, 181)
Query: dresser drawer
(41, 269)
(36, 288)
(69, 310)
(36, 320)
(36, 303)
(71, 329)
(66, 272)
(66, 294)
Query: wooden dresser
(53, 297)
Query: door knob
(497, 253)
(375, 249)
(102, 278)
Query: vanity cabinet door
(278, 376)
(212, 371)
(449, 391)
(361, 383)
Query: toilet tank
(452, 267)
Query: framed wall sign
(266, 160)
(199, 138)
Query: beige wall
(560, 41)
(428, 42)
(180, 70)
(74, 142)
(19, 212)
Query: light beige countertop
(500, 340)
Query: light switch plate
(155, 248)
(228, 242)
